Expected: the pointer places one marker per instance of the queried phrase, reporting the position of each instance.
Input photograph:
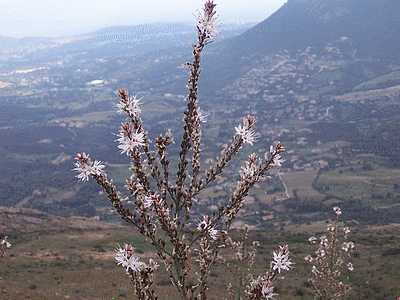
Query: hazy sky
(20, 18)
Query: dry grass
(74, 259)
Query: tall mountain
(371, 27)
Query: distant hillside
(140, 31)
(136, 39)
(13, 43)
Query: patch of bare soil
(23, 220)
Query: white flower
(86, 168)
(153, 200)
(134, 264)
(84, 174)
(350, 267)
(312, 240)
(125, 258)
(247, 171)
(129, 142)
(148, 201)
(249, 137)
(320, 252)
(246, 132)
(207, 20)
(250, 169)
(240, 130)
(97, 168)
(267, 290)
(122, 256)
(201, 117)
(5, 243)
(347, 247)
(213, 233)
(272, 149)
(308, 258)
(337, 210)
(205, 226)
(281, 259)
(324, 241)
(277, 160)
(131, 107)
(315, 271)
(246, 135)
(283, 264)
(346, 231)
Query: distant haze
(23, 18)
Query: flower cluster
(160, 207)
(207, 21)
(5, 244)
(267, 290)
(348, 247)
(125, 258)
(141, 274)
(129, 106)
(262, 287)
(206, 227)
(247, 131)
(245, 284)
(337, 211)
(152, 201)
(129, 138)
(281, 259)
(275, 153)
(86, 168)
(201, 117)
(251, 167)
(330, 259)
(253, 170)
